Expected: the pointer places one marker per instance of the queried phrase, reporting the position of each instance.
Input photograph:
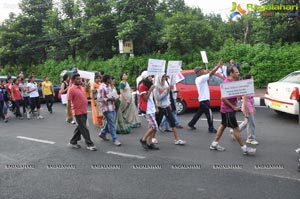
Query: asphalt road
(35, 169)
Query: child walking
(249, 111)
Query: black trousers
(204, 107)
(81, 129)
(1, 110)
(49, 101)
(167, 113)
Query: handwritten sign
(86, 74)
(156, 67)
(204, 57)
(237, 88)
(174, 67)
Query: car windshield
(292, 78)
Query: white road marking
(125, 155)
(36, 140)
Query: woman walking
(127, 112)
(95, 105)
(48, 93)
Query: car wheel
(180, 106)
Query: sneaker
(5, 120)
(154, 141)
(28, 115)
(40, 117)
(249, 151)
(152, 147)
(191, 127)
(231, 135)
(253, 142)
(217, 147)
(117, 143)
(75, 146)
(297, 150)
(179, 127)
(91, 148)
(179, 142)
(212, 130)
(73, 122)
(103, 137)
(144, 143)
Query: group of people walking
(117, 113)
(114, 113)
(17, 92)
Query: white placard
(86, 75)
(113, 94)
(174, 67)
(156, 66)
(204, 57)
(237, 88)
(64, 98)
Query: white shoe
(91, 148)
(154, 141)
(253, 142)
(249, 151)
(40, 117)
(179, 142)
(297, 150)
(217, 147)
(117, 143)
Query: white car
(283, 95)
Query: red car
(188, 95)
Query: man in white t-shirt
(201, 82)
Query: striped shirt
(107, 104)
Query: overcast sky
(222, 7)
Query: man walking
(228, 110)
(77, 102)
(107, 99)
(203, 96)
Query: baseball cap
(197, 69)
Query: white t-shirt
(223, 71)
(202, 87)
(150, 104)
(23, 89)
(33, 86)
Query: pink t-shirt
(249, 105)
(233, 101)
(77, 96)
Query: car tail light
(295, 94)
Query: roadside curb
(259, 101)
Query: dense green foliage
(47, 39)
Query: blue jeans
(165, 123)
(5, 107)
(110, 125)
